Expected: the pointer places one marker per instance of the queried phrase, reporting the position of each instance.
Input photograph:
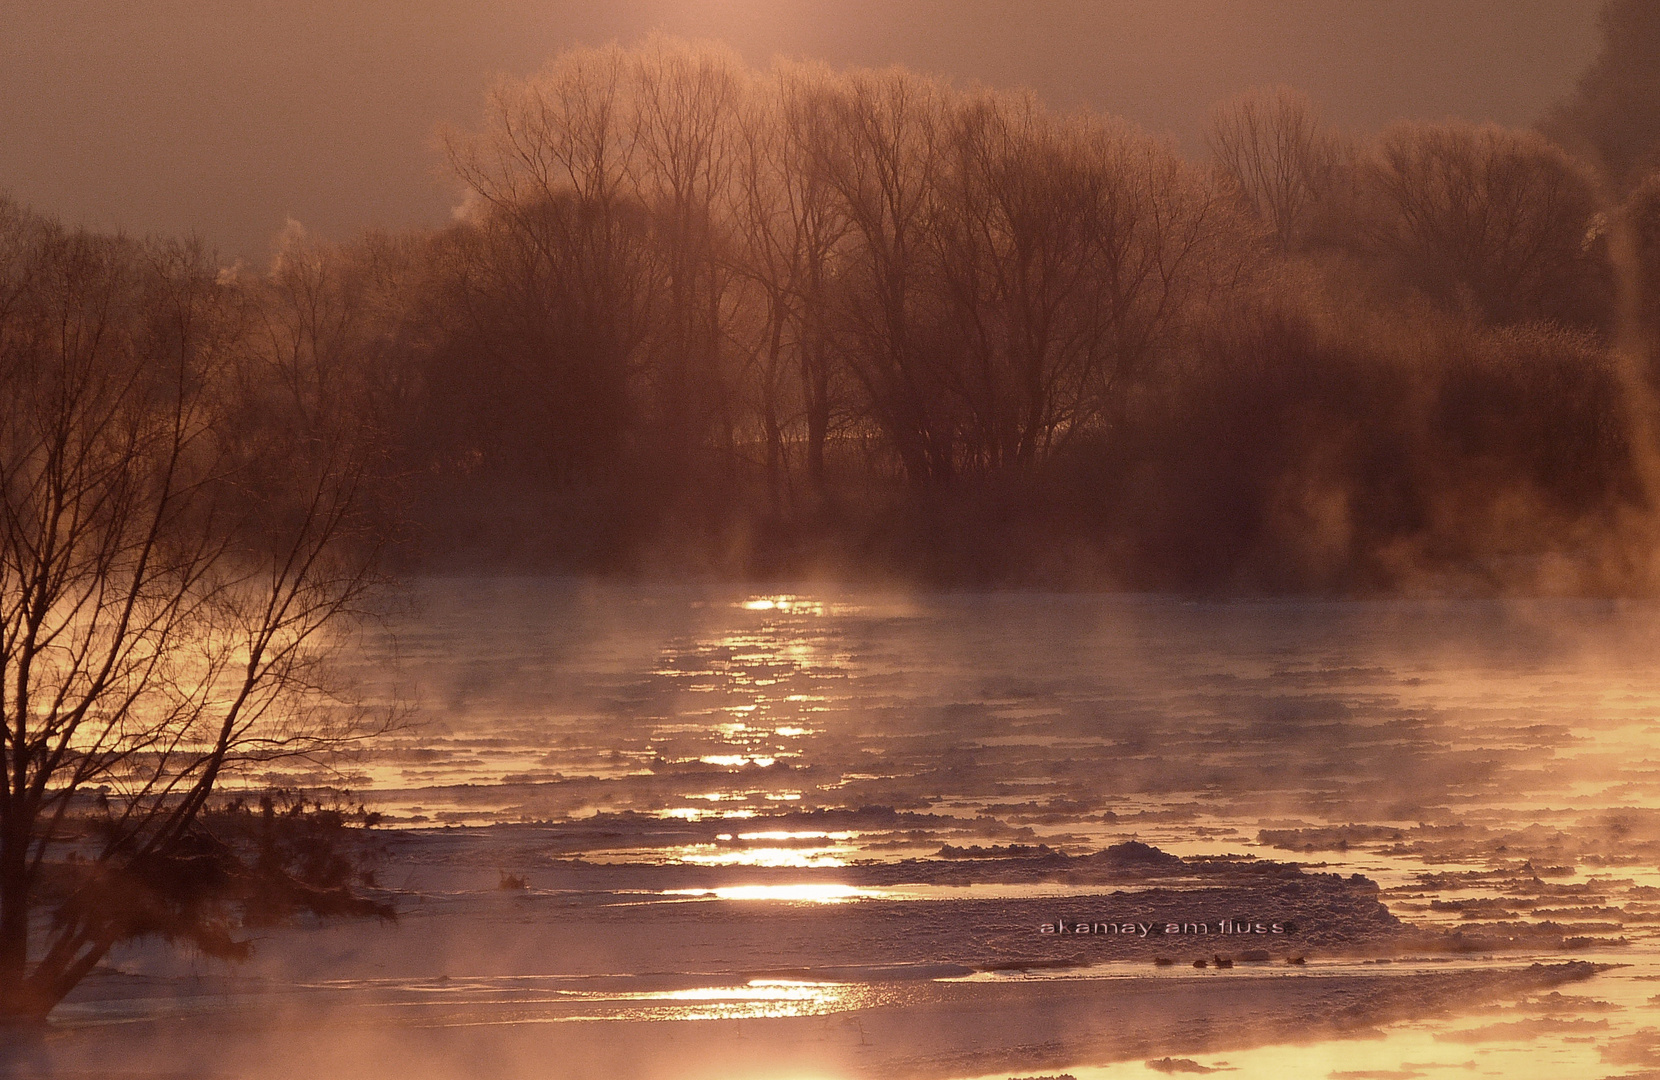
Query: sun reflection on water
(786, 604)
(808, 893)
(761, 999)
(797, 858)
(758, 999)
(737, 760)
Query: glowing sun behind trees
(181, 530)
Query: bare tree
(787, 228)
(686, 102)
(554, 278)
(879, 149)
(177, 556)
(1003, 276)
(1067, 253)
(1270, 146)
(1497, 221)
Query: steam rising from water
(723, 725)
(1488, 764)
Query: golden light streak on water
(794, 858)
(784, 604)
(814, 894)
(759, 999)
(698, 813)
(737, 760)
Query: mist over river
(650, 617)
(1065, 718)
(687, 830)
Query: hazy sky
(225, 117)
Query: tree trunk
(818, 420)
(17, 1001)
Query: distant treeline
(698, 317)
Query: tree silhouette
(182, 534)
(1497, 221)
(1279, 159)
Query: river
(1488, 764)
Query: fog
(186, 116)
(754, 539)
(818, 832)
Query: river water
(1490, 764)
(1022, 717)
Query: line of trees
(777, 319)
(680, 254)
(694, 314)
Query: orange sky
(225, 117)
